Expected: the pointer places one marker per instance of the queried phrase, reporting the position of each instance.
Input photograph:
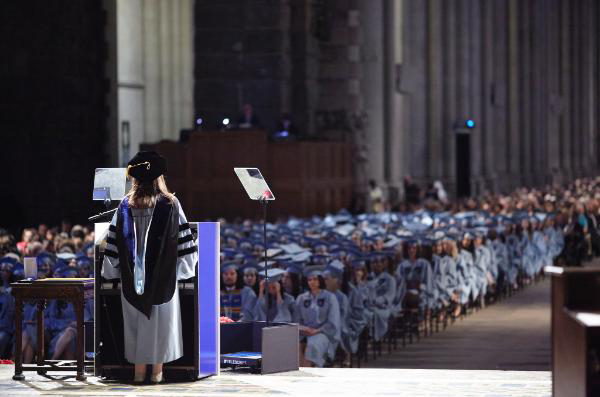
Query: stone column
(514, 142)
(434, 105)
(415, 83)
(451, 113)
(372, 89)
(474, 69)
(553, 108)
(488, 129)
(565, 94)
(130, 78)
(499, 142)
(399, 153)
(150, 43)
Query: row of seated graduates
(414, 274)
(59, 316)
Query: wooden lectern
(575, 331)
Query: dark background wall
(241, 56)
(52, 109)
(527, 71)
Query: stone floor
(513, 334)
(503, 350)
(306, 382)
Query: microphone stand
(107, 203)
(102, 215)
(266, 290)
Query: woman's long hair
(145, 194)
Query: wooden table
(74, 290)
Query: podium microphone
(101, 215)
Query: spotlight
(470, 123)
(225, 121)
(199, 121)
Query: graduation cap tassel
(147, 163)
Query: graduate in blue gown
(333, 277)
(7, 309)
(318, 314)
(528, 250)
(452, 294)
(464, 268)
(250, 276)
(383, 292)
(279, 305)
(540, 240)
(417, 275)
(237, 301)
(493, 269)
(292, 280)
(556, 239)
(62, 323)
(359, 315)
(513, 245)
(442, 276)
(507, 272)
(45, 264)
(482, 269)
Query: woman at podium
(150, 247)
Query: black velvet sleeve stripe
(184, 226)
(111, 240)
(111, 253)
(112, 228)
(185, 239)
(187, 251)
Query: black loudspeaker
(264, 349)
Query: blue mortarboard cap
(18, 272)
(250, 268)
(245, 244)
(481, 231)
(314, 270)
(466, 234)
(273, 274)
(269, 264)
(8, 261)
(319, 243)
(392, 241)
(450, 236)
(533, 219)
(84, 261)
(67, 272)
(229, 252)
(359, 263)
(229, 266)
(336, 268)
(66, 256)
(7, 265)
(294, 268)
(412, 241)
(338, 252)
(320, 259)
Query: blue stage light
(470, 123)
